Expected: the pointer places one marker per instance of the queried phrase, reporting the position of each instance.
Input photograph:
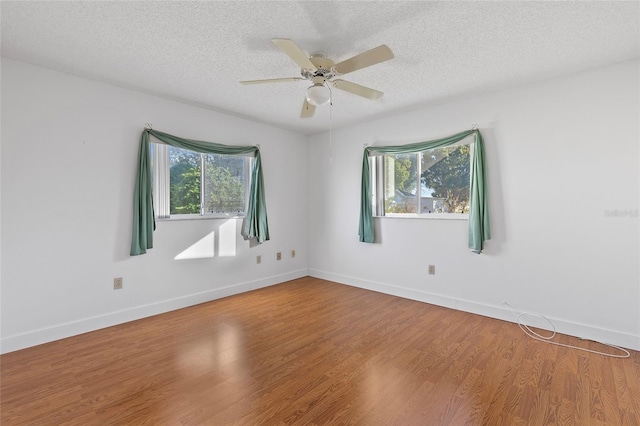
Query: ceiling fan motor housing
(324, 68)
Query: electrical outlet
(117, 283)
(432, 269)
(293, 253)
(279, 256)
(258, 259)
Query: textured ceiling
(197, 52)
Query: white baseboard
(585, 331)
(73, 328)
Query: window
(432, 183)
(190, 184)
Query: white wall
(560, 153)
(69, 149)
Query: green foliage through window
(433, 181)
(224, 183)
(447, 171)
(220, 189)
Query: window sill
(430, 216)
(198, 217)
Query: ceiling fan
(322, 71)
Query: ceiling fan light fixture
(318, 94)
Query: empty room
(320, 213)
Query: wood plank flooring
(312, 352)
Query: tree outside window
(433, 181)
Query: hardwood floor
(314, 352)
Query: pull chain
(330, 124)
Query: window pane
(400, 181)
(445, 180)
(184, 177)
(224, 183)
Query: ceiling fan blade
(357, 89)
(370, 57)
(272, 80)
(307, 109)
(294, 52)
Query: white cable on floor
(547, 339)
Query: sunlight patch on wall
(227, 239)
(201, 249)
(222, 240)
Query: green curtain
(255, 223)
(479, 230)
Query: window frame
(377, 179)
(160, 171)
